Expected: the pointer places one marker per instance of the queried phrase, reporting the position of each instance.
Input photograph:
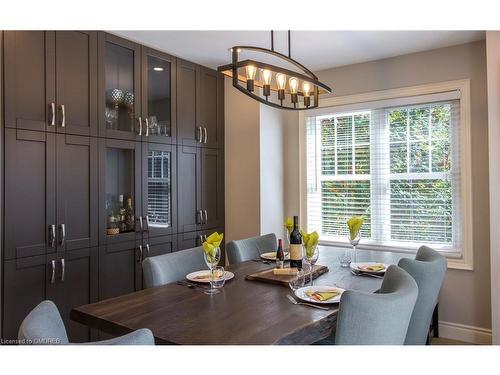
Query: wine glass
(298, 281)
(354, 242)
(311, 256)
(212, 259)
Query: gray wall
(465, 298)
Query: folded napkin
(310, 241)
(212, 242)
(354, 224)
(372, 267)
(322, 296)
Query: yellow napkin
(289, 224)
(372, 267)
(213, 241)
(354, 224)
(321, 296)
(310, 241)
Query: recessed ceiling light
(158, 68)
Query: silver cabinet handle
(53, 277)
(205, 237)
(206, 216)
(147, 250)
(200, 134)
(53, 114)
(63, 269)
(199, 217)
(140, 125)
(140, 253)
(52, 235)
(140, 223)
(147, 127)
(205, 135)
(200, 238)
(62, 231)
(63, 112)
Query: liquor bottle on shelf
(112, 229)
(129, 216)
(280, 255)
(121, 218)
(296, 245)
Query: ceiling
(317, 50)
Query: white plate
(356, 267)
(272, 255)
(301, 293)
(192, 276)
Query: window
(397, 165)
(159, 189)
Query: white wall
(493, 71)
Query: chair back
(43, 326)
(428, 269)
(250, 248)
(167, 268)
(378, 318)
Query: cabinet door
(189, 132)
(188, 240)
(154, 246)
(76, 82)
(30, 218)
(76, 285)
(119, 175)
(29, 79)
(159, 189)
(77, 192)
(211, 101)
(23, 289)
(119, 76)
(212, 186)
(119, 269)
(158, 96)
(188, 188)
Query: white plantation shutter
(159, 197)
(396, 163)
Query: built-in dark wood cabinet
(200, 101)
(93, 123)
(119, 72)
(159, 99)
(40, 97)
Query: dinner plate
(203, 276)
(301, 293)
(360, 267)
(272, 255)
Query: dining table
(245, 312)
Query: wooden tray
(268, 276)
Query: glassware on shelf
(122, 215)
(128, 101)
(112, 228)
(311, 256)
(212, 259)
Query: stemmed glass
(298, 281)
(212, 259)
(354, 242)
(347, 258)
(311, 256)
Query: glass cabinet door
(120, 79)
(159, 202)
(120, 218)
(158, 96)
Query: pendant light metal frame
(231, 70)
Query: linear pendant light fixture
(274, 85)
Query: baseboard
(465, 333)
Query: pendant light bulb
(266, 75)
(251, 71)
(306, 88)
(281, 81)
(294, 85)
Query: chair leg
(435, 321)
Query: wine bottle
(296, 245)
(280, 255)
(129, 216)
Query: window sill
(455, 259)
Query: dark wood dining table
(244, 312)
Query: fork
(190, 285)
(295, 302)
(367, 274)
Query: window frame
(351, 103)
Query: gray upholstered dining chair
(428, 269)
(380, 318)
(167, 268)
(250, 248)
(44, 326)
